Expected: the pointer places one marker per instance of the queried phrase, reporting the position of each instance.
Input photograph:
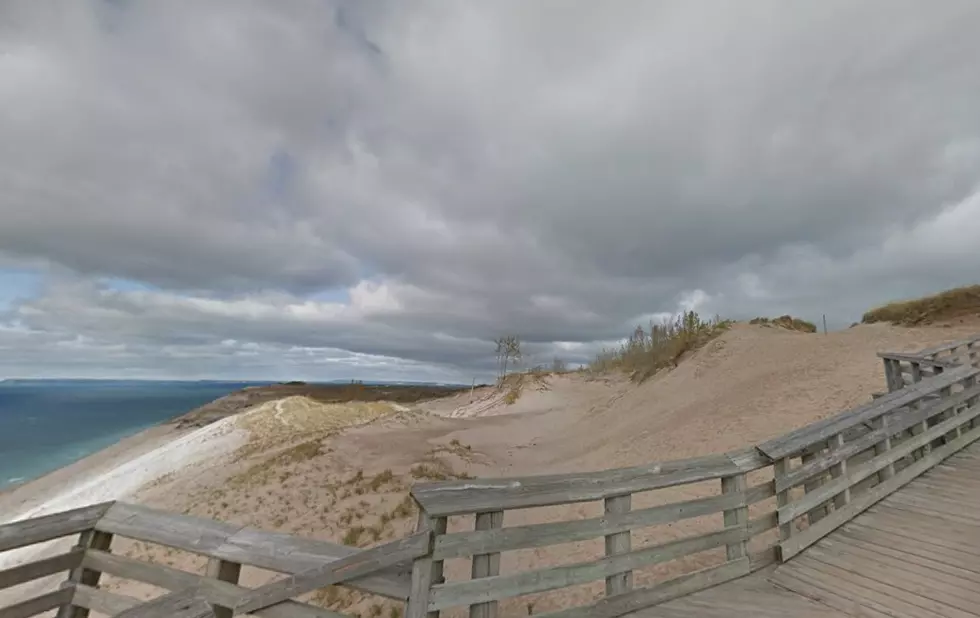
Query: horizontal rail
(796, 441)
(483, 495)
(337, 572)
(527, 582)
(248, 546)
(915, 358)
(48, 527)
(896, 424)
(39, 604)
(946, 347)
(31, 571)
(462, 544)
(858, 473)
(797, 543)
(621, 604)
(215, 591)
(180, 604)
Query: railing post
(780, 469)
(425, 571)
(820, 512)
(842, 499)
(883, 447)
(90, 539)
(738, 516)
(619, 543)
(893, 381)
(486, 565)
(225, 571)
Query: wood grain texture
(39, 604)
(463, 544)
(41, 568)
(487, 564)
(214, 591)
(248, 546)
(795, 441)
(483, 495)
(351, 567)
(178, 604)
(48, 527)
(859, 503)
(225, 571)
(528, 582)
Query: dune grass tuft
(948, 305)
(788, 322)
(661, 346)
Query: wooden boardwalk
(916, 554)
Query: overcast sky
(316, 189)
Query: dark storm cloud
(469, 169)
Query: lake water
(48, 424)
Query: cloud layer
(320, 189)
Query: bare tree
(508, 351)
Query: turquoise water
(48, 424)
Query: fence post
(425, 571)
(225, 571)
(838, 470)
(90, 539)
(486, 565)
(619, 543)
(883, 447)
(780, 469)
(738, 516)
(821, 511)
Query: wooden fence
(755, 506)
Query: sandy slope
(341, 472)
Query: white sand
(122, 481)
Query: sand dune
(342, 471)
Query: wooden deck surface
(915, 554)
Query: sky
(376, 189)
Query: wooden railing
(227, 547)
(489, 500)
(742, 510)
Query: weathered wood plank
(103, 602)
(338, 571)
(799, 542)
(528, 582)
(39, 604)
(736, 517)
(862, 471)
(482, 495)
(946, 347)
(426, 572)
(90, 539)
(619, 543)
(178, 604)
(41, 568)
(915, 358)
(795, 441)
(274, 551)
(214, 591)
(47, 527)
(225, 571)
(486, 564)
(463, 544)
(611, 607)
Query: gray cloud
(464, 170)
